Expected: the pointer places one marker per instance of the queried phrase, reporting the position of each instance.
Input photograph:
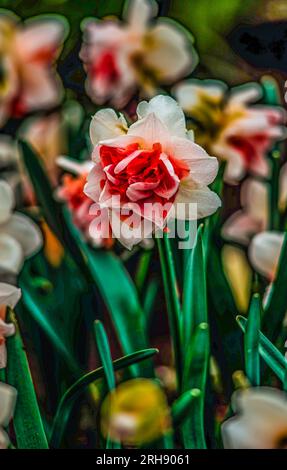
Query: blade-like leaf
(102, 343)
(269, 353)
(69, 398)
(251, 342)
(183, 407)
(195, 376)
(27, 420)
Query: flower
(121, 57)
(8, 397)
(254, 215)
(19, 236)
(260, 421)
(264, 252)
(135, 413)
(27, 52)
(72, 192)
(9, 297)
(152, 169)
(227, 126)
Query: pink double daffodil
(151, 169)
(121, 57)
(28, 50)
(229, 127)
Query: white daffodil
(264, 252)
(19, 236)
(260, 420)
(8, 397)
(9, 297)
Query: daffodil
(228, 126)
(121, 57)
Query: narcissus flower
(135, 413)
(72, 192)
(28, 51)
(151, 170)
(19, 236)
(264, 253)
(8, 397)
(254, 215)
(9, 297)
(260, 421)
(120, 57)
(229, 127)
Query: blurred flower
(264, 253)
(9, 297)
(8, 397)
(27, 52)
(239, 275)
(72, 192)
(45, 134)
(227, 126)
(260, 421)
(254, 215)
(19, 236)
(135, 413)
(121, 57)
(153, 169)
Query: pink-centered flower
(121, 57)
(28, 51)
(72, 192)
(152, 169)
(228, 126)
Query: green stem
(172, 299)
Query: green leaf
(277, 305)
(30, 301)
(172, 299)
(194, 290)
(195, 376)
(27, 420)
(269, 353)
(251, 341)
(183, 407)
(69, 398)
(102, 343)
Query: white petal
(150, 129)
(7, 201)
(26, 232)
(74, 166)
(171, 53)
(93, 187)
(241, 227)
(206, 201)
(4, 439)
(245, 93)
(9, 295)
(264, 252)
(106, 124)
(203, 168)
(8, 397)
(190, 92)
(254, 199)
(11, 254)
(167, 110)
(138, 13)
(41, 89)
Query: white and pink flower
(229, 127)
(152, 169)
(28, 51)
(121, 57)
